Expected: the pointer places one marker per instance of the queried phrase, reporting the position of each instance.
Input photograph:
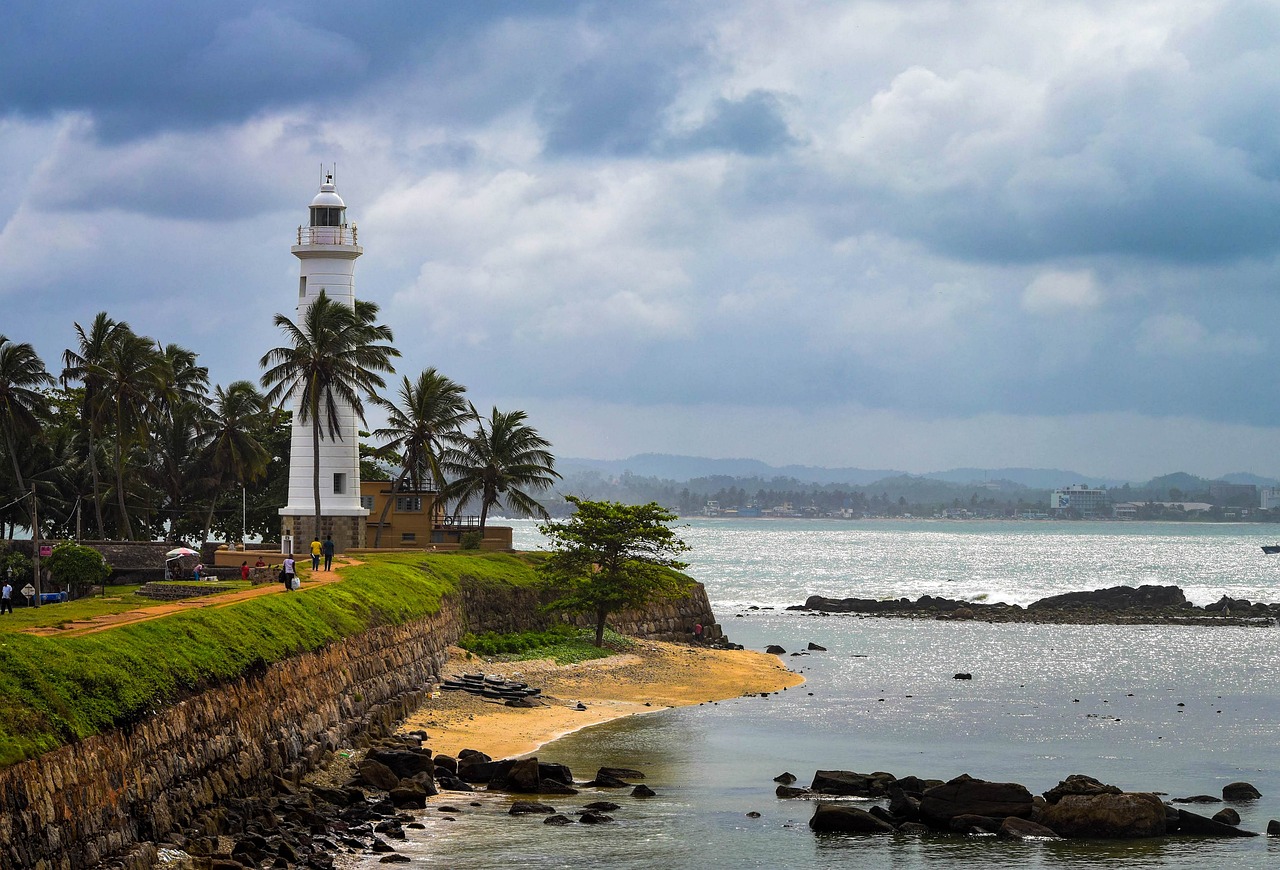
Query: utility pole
(35, 543)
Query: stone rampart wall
(111, 794)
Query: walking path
(218, 599)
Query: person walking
(287, 573)
(6, 598)
(315, 553)
(244, 570)
(327, 547)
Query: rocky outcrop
(1115, 605)
(1106, 815)
(966, 796)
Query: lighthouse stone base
(348, 531)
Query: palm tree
(233, 451)
(493, 464)
(429, 417)
(333, 356)
(133, 375)
(85, 365)
(22, 374)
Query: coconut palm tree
(22, 374)
(233, 452)
(496, 461)
(85, 365)
(133, 375)
(333, 356)
(429, 418)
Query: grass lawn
(116, 599)
(55, 690)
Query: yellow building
(416, 520)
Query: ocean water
(1176, 709)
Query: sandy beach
(653, 676)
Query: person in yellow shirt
(315, 553)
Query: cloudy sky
(901, 234)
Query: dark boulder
(448, 762)
(522, 808)
(521, 777)
(549, 787)
(548, 770)
(852, 784)
(452, 783)
(1108, 816)
(1078, 783)
(1227, 816)
(483, 771)
(619, 773)
(378, 775)
(915, 785)
(963, 676)
(1193, 823)
(1273, 828)
(1116, 598)
(774, 649)
(965, 795)
(603, 806)
(1198, 799)
(409, 795)
(558, 820)
(643, 791)
(1014, 828)
(970, 824)
(591, 817)
(404, 762)
(1240, 791)
(904, 805)
(813, 647)
(787, 791)
(609, 782)
(845, 819)
(785, 778)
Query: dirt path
(222, 599)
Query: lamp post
(244, 515)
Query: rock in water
(1106, 815)
(1078, 783)
(1014, 828)
(1240, 791)
(844, 819)
(774, 649)
(377, 774)
(785, 778)
(965, 795)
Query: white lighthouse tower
(327, 250)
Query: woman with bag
(287, 572)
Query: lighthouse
(327, 250)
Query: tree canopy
(610, 557)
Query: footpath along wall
(114, 794)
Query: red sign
(45, 550)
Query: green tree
(332, 359)
(233, 452)
(610, 557)
(134, 374)
(497, 462)
(77, 566)
(429, 418)
(86, 365)
(22, 404)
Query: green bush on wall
(471, 540)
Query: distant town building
(1221, 492)
(1080, 500)
(1270, 498)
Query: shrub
(471, 540)
(74, 565)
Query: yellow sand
(654, 676)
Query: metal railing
(448, 522)
(343, 235)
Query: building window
(339, 484)
(302, 286)
(366, 502)
(408, 503)
(408, 537)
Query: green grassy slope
(56, 690)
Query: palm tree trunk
(97, 486)
(315, 461)
(17, 472)
(395, 487)
(124, 512)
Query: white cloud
(1052, 293)
(1182, 334)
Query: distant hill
(1246, 477)
(1032, 478)
(682, 468)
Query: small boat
(1271, 549)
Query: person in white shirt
(286, 573)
